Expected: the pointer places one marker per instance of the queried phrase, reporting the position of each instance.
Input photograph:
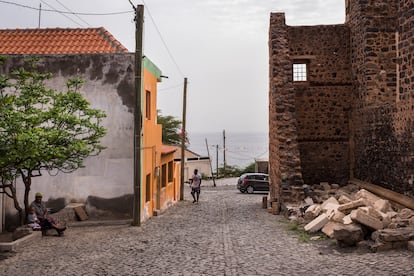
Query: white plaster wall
(110, 174)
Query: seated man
(41, 211)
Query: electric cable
(81, 19)
(50, 6)
(162, 39)
(65, 12)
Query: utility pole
(209, 161)
(217, 171)
(139, 21)
(224, 152)
(40, 13)
(183, 136)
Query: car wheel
(249, 189)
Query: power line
(162, 39)
(73, 13)
(65, 12)
(170, 87)
(44, 2)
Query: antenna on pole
(40, 14)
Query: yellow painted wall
(152, 157)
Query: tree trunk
(27, 180)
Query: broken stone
(334, 186)
(411, 221)
(312, 212)
(328, 229)
(325, 186)
(347, 220)
(338, 216)
(344, 199)
(365, 219)
(410, 245)
(309, 201)
(382, 205)
(317, 224)
(348, 235)
(330, 209)
(348, 207)
(329, 200)
(370, 197)
(406, 213)
(393, 235)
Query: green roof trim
(147, 64)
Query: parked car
(251, 182)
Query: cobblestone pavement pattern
(226, 233)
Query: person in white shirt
(195, 185)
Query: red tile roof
(59, 41)
(167, 149)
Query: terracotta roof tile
(167, 149)
(59, 41)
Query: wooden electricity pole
(183, 136)
(211, 167)
(139, 21)
(224, 152)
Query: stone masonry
(351, 114)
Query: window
(170, 171)
(148, 105)
(299, 72)
(148, 188)
(164, 175)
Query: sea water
(241, 149)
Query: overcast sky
(219, 45)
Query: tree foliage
(42, 129)
(171, 129)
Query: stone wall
(353, 116)
(323, 101)
(383, 114)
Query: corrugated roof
(59, 41)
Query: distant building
(193, 161)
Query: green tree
(42, 129)
(171, 129)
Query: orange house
(160, 175)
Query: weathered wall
(109, 87)
(323, 101)
(283, 145)
(382, 117)
(353, 117)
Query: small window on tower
(300, 72)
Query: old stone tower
(341, 98)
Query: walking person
(195, 185)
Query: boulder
(348, 235)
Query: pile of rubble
(354, 217)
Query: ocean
(241, 148)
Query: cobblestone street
(226, 233)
